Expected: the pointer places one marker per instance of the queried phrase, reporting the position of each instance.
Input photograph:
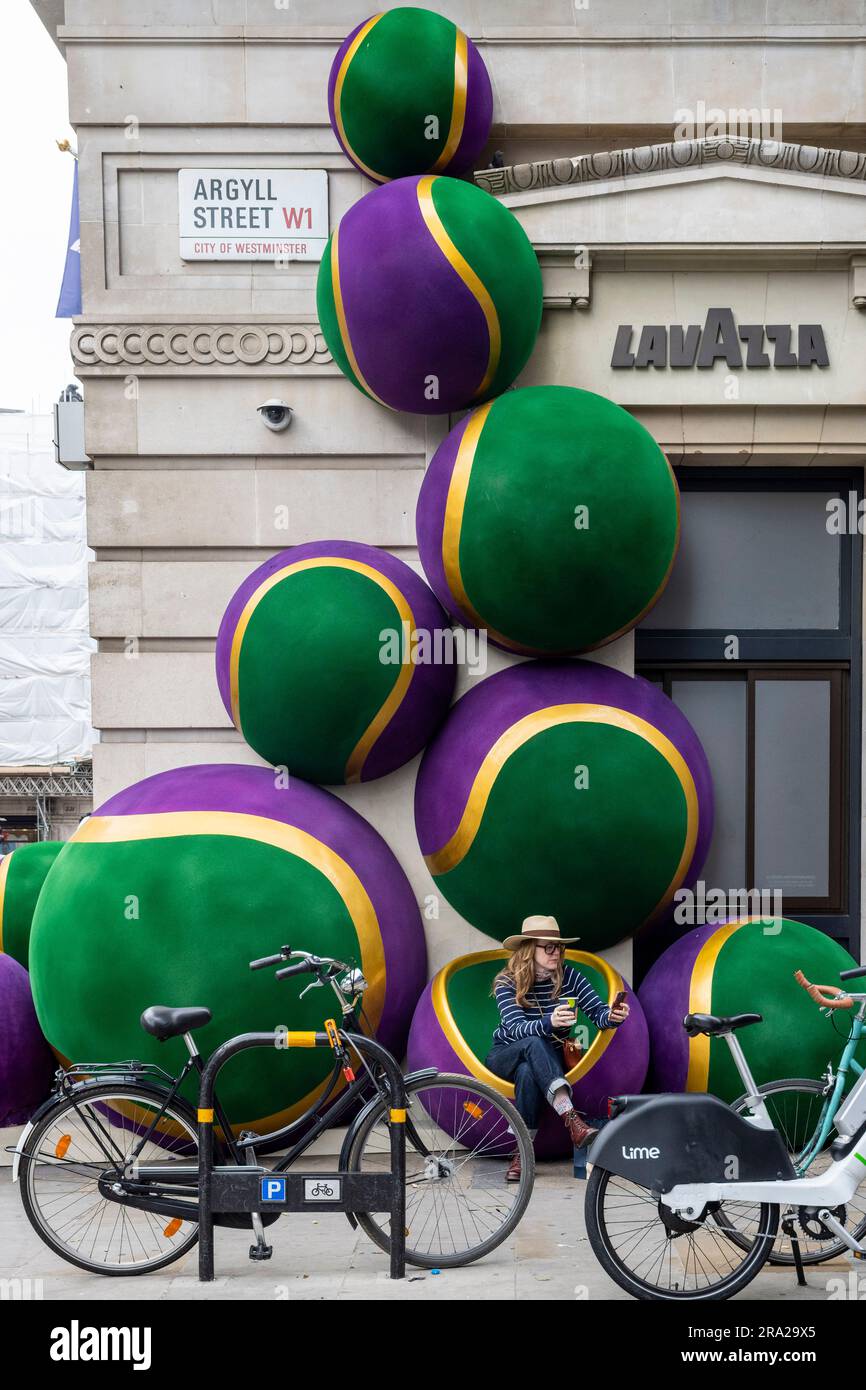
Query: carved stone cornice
(601, 167)
(128, 348)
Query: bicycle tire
(823, 1250)
(178, 1112)
(522, 1142)
(602, 1247)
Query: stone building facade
(668, 162)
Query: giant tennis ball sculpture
(453, 1030)
(168, 891)
(409, 94)
(332, 661)
(22, 874)
(550, 517)
(743, 966)
(26, 1062)
(429, 295)
(568, 788)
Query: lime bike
(116, 1167)
(806, 1113)
(687, 1195)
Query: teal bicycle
(805, 1112)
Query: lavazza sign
(750, 345)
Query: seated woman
(527, 1046)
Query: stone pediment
(711, 194)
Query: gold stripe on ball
(471, 280)
(4, 874)
(338, 96)
(701, 1002)
(342, 321)
(456, 849)
(458, 104)
(380, 721)
(473, 1064)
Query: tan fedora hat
(538, 929)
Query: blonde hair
(520, 969)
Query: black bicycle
(108, 1165)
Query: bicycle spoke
(456, 1142)
(100, 1136)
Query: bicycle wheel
(92, 1135)
(693, 1260)
(795, 1107)
(458, 1204)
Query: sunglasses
(551, 948)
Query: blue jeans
(535, 1066)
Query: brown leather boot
(579, 1132)
(512, 1173)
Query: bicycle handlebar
(306, 964)
(826, 996)
(855, 974)
(265, 961)
(302, 967)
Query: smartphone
(620, 999)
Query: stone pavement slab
(322, 1258)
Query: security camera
(276, 414)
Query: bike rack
(239, 1189)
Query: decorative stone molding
(601, 167)
(128, 346)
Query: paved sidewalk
(548, 1257)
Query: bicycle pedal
(261, 1252)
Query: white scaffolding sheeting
(44, 643)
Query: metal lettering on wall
(751, 345)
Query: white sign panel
(252, 214)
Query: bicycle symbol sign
(322, 1189)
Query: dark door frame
(656, 648)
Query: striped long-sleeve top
(540, 1002)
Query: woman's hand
(620, 1013)
(562, 1016)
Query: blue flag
(69, 303)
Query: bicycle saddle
(717, 1027)
(165, 1023)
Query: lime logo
(633, 1152)
(860, 1156)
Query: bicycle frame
(760, 1115)
(153, 1186)
(847, 1062)
(831, 1189)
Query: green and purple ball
(334, 660)
(409, 94)
(738, 967)
(453, 1030)
(565, 788)
(429, 295)
(550, 517)
(168, 891)
(22, 874)
(26, 1062)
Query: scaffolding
(43, 784)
